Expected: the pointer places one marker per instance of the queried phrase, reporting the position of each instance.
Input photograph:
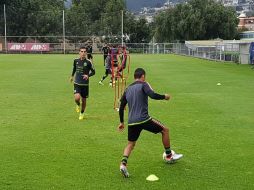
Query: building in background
(246, 22)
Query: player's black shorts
(115, 64)
(108, 71)
(151, 125)
(89, 56)
(82, 90)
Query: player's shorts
(124, 64)
(108, 71)
(151, 125)
(89, 56)
(82, 90)
(115, 64)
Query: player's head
(139, 74)
(82, 52)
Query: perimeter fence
(234, 51)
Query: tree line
(195, 20)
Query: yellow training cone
(152, 177)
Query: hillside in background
(136, 5)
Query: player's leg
(111, 77)
(77, 97)
(77, 101)
(104, 76)
(156, 126)
(165, 137)
(133, 135)
(83, 107)
(126, 153)
(123, 65)
(84, 96)
(104, 59)
(115, 71)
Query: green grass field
(43, 145)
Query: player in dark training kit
(105, 50)
(136, 96)
(82, 70)
(107, 70)
(89, 50)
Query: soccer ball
(164, 156)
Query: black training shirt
(81, 68)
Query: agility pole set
(119, 61)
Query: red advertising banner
(28, 47)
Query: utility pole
(5, 32)
(122, 28)
(63, 34)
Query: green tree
(1, 20)
(196, 20)
(86, 17)
(33, 17)
(83, 18)
(139, 31)
(77, 21)
(111, 18)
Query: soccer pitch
(43, 145)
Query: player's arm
(149, 91)
(121, 112)
(73, 71)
